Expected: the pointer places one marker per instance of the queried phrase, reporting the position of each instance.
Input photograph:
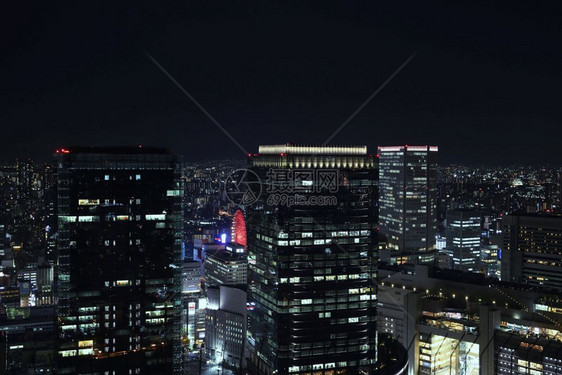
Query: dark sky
(484, 85)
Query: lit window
(155, 217)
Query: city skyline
(281, 188)
(46, 159)
(113, 255)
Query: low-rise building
(463, 323)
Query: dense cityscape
(130, 260)
(295, 187)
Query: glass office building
(408, 197)
(463, 239)
(312, 261)
(118, 263)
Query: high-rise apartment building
(312, 260)
(532, 250)
(463, 239)
(118, 265)
(408, 196)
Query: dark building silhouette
(118, 262)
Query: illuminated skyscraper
(463, 239)
(118, 262)
(407, 203)
(312, 260)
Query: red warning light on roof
(63, 151)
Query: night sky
(485, 84)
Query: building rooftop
(312, 150)
(540, 214)
(407, 148)
(130, 150)
(227, 256)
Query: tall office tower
(532, 250)
(407, 202)
(312, 260)
(118, 263)
(463, 239)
